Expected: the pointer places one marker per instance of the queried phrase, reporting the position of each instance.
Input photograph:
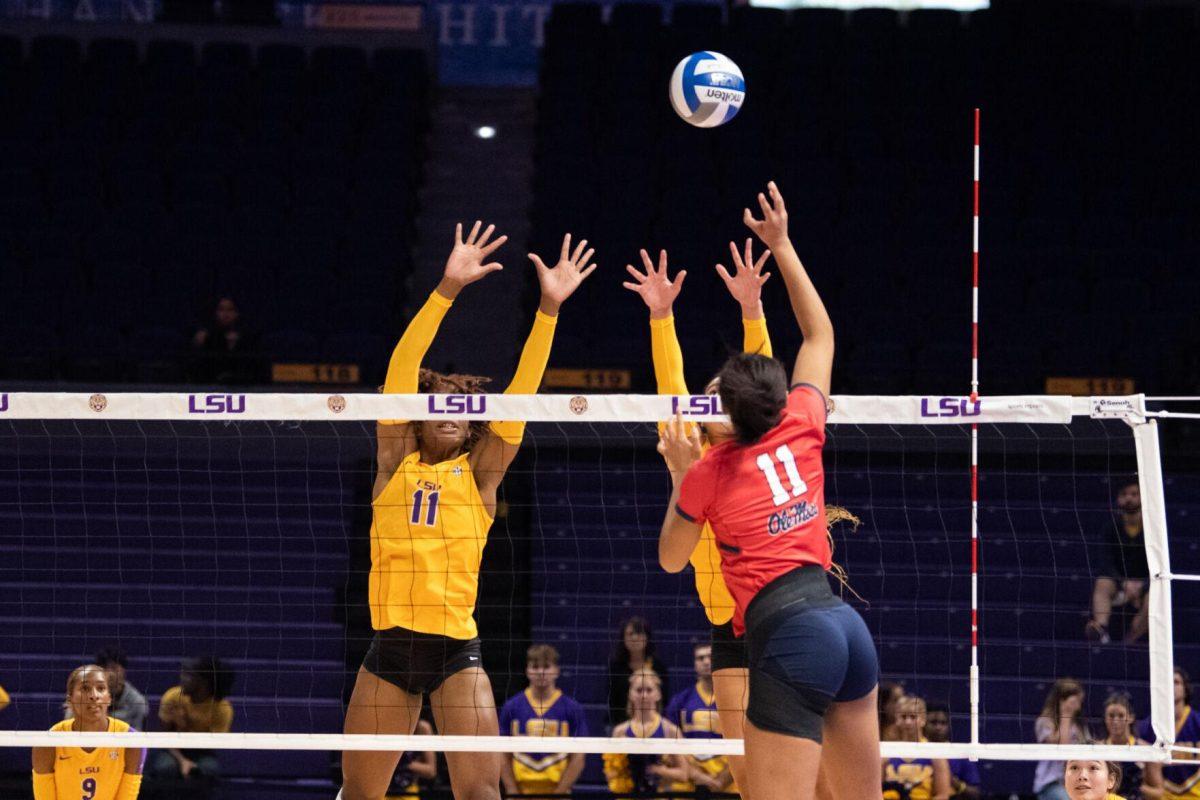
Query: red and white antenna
(975, 449)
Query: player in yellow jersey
(97, 773)
(433, 503)
(914, 778)
(1092, 780)
(729, 667)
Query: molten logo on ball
(707, 89)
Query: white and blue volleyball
(707, 89)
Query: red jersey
(765, 502)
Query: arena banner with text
(137, 11)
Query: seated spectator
(964, 773)
(196, 705)
(128, 704)
(1138, 780)
(889, 697)
(914, 778)
(694, 712)
(542, 710)
(415, 768)
(634, 651)
(1180, 781)
(1061, 722)
(98, 773)
(1092, 780)
(644, 774)
(1122, 574)
(222, 346)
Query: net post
(1154, 527)
(974, 671)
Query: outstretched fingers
(579, 248)
(538, 264)
(494, 246)
(565, 253)
(474, 232)
(776, 198)
(738, 264)
(583, 260)
(724, 273)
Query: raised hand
(679, 445)
(466, 262)
(657, 291)
(561, 281)
(772, 228)
(748, 278)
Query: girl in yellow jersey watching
(433, 503)
(658, 291)
(96, 773)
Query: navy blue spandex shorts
(807, 649)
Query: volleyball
(707, 89)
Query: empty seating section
(139, 184)
(173, 553)
(864, 119)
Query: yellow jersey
(94, 776)
(428, 531)
(914, 774)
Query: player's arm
(673, 767)
(814, 364)
(658, 292)
(424, 762)
(467, 263)
(43, 774)
(679, 445)
(570, 774)
(941, 779)
(1152, 781)
(492, 456)
(131, 778)
(745, 286)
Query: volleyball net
(237, 525)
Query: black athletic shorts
(728, 651)
(807, 650)
(419, 663)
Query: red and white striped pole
(975, 449)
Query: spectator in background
(914, 778)
(128, 704)
(221, 346)
(1092, 780)
(645, 774)
(4, 699)
(1139, 781)
(1180, 781)
(964, 773)
(634, 651)
(694, 712)
(542, 710)
(889, 697)
(414, 767)
(196, 705)
(1122, 574)
(1061, 722)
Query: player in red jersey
(812, 726)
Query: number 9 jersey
(96, 775)
(766, 501)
